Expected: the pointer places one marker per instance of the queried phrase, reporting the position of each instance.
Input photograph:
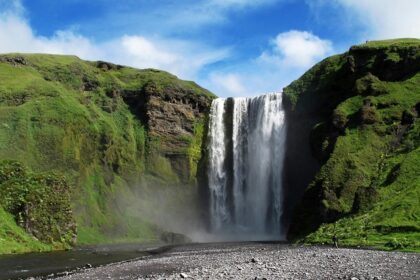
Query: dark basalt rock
(14, 60)
(107, 66)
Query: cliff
(357, 115)
(125, 142)
(92, 152)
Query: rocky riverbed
(261, 261)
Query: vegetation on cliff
(113, 132)
(365, 107)
(40, 205)
(110, 148)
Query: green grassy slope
(72, 117)
(14, 239)
(367, 138)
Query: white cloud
(182, 58)
(287, 57)
(228, 84)
(17, 36)
(387, 18)
(146, 51)
(296, 49)
(371, 19)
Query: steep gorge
(132, 153)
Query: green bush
(368, 115)
(40, 203)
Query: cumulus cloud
(175, 56)
(182, 58)
(17, 36)
(296, 49)
(387, 18)
(146, 51)
(372, 19)
(287, 56)
(228, 84)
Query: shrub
(40, 203)
(368, 115)
(339, 120)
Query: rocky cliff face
(122, 137)
(357, 114)
(177, 117)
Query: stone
(88, 265)
(61, 274)
(183, 275)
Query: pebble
(250, 261)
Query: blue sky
(232, 47)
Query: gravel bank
(261, 261)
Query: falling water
(245, 166)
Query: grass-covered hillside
(364, 106)
(97, 128)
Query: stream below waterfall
(62, 262)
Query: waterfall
(246, 152)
